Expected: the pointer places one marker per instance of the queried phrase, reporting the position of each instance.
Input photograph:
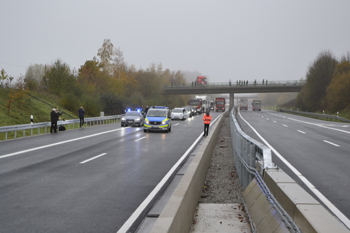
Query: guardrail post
(15, 134)
(252, 161)
(31, 132)
(45, 129)
(24, 133)
(39, 131)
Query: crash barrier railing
(316, 115)
(39, 126)
(247, 151)
(235, 84)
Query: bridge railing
(247, 151)
(43, 127)
(237, 83)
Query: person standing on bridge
(207, 119)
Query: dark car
(132, 118)
(190, 110)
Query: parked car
(190, 110)
(132, 118)
(179, 113)
(158, 118)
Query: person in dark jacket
(54, 118)
(81, 116)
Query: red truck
(220, 104)
(197, 105)
(201, 81)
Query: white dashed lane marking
(88, 160)
(333, 144)
(140, 139)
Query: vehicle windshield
(178, 110)
(257, 103)
(194, 102)
(188, 108)
(220, 102)
(156, 113)
(132, 114)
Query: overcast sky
(223, 39)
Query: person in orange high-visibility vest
(207, 120)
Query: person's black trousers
(81, 121)
(206, 129)
(53, 126)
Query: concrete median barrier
(308, 214)
(177, 216)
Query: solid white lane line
(313, 189)
(322, 126)
(301, 132)
(140, 139)
(285, 125)
(331, 143)
(149, 198)
(57, 143)
(85, 161)
(177, 123)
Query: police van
(158, 118)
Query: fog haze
(247, 40)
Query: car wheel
(169, 130)
(122, 125)
(145, 130)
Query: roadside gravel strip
(220, 206)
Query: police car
(158, 118)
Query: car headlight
(147, 122)
(137, 119)
(123, 119)
(163, 122)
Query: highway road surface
(86, 180)
(317, 154)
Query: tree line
(327, 85)
(104, 83)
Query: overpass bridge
(234, 88)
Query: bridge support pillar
(232, 101)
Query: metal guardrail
(235, 84)
(246, 153)
(88, 121)
(316, 115)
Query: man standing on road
(81, 116)
(54, 118)
(207, 120)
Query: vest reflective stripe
(207, 119)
